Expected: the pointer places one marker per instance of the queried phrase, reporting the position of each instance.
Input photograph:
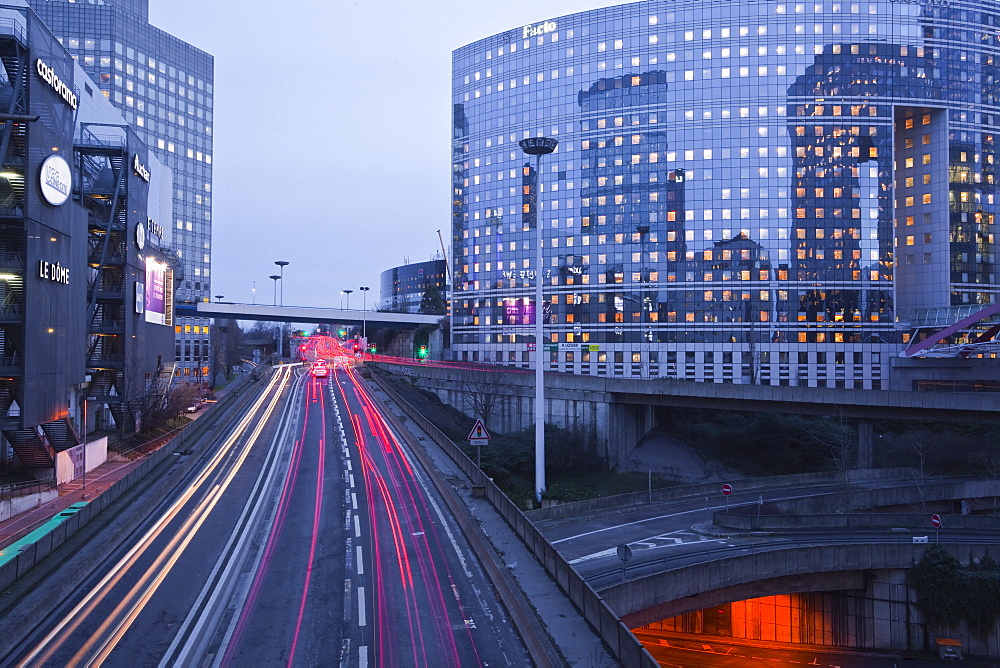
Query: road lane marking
(362, 621)
(363, 656)
(354, 500)
(360, 561)
(357, 527)
(352, 480)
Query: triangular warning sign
(479, 431)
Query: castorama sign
(49, 76)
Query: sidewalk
(98, 479)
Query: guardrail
(712, 489)
(18, 489)
(624, 646)
(31, 554)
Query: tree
(839, 439)
(483, 390)
(227, 342)
(432, 303)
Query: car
(193, 408)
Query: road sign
(936, 521)
(479, 432)
(624, 552)
(727, 489)
(479, 441)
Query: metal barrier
(624, 646)
(18, 489)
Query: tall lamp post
(274, 302)
(539, 146)
(219, 298)
(282, 264)
(364, 313)
(348, 293)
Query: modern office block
(164, 87)
(84, 286)
(746, 192)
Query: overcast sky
(332, 133)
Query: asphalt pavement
(576, 640)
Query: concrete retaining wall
(21, 504)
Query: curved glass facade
(402, 288)
(750, 192)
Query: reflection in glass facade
(746, 192)
(164, 88)
(402, 288)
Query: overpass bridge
(309, 314)
(851, 590)
(621, 410)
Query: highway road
(665, 536)
(306, 535)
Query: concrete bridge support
(627, 424)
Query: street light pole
(539, 146)
(274, 302)
(282, 264)
(348, 293)
(364, 313)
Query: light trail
(316, 386)
(118, 623)
(396, 501)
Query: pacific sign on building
(49, 76)
(540, 29)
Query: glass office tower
(164, 87)
(744, 191)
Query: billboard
(155, 293)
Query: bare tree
(484, 390)
(920, 449)
(840, 441)
(227, 343)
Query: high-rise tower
(164, 87)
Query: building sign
(53, 271)
(55, 180)
(155, 292)
(154, 229)
(540, 29)
(48, 75)
(140, 168)
(140, 235)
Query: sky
(332, 134)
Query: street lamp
(282, 264)
(219, 298)
(274, 302)
(348, 293)
(539, 146)
(364, 313)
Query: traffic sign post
(936, 523)
(479, 437)
(625, 554)
(727, 489)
